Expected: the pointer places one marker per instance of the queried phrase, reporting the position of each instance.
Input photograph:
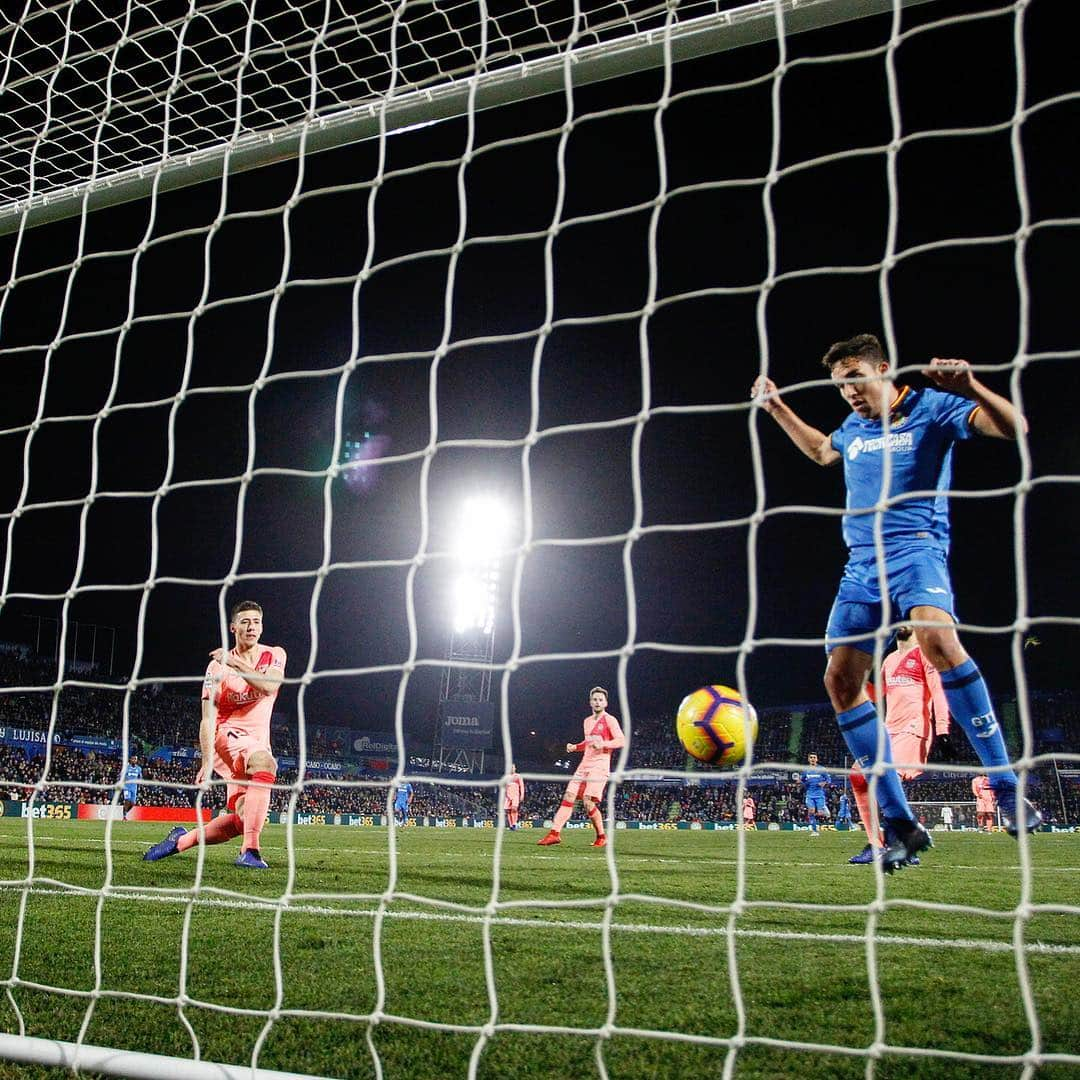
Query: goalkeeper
(238, 697)
(897, 444)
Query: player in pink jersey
(984, 802)
(238, 697)
(602, 735)
(515, 796)
(749, 811)
(915, 710)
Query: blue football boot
(905, 839)
(1008, 803)
(164, 848)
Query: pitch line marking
(1039, 948)
(563, 853)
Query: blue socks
(860, 726)
(969, 704)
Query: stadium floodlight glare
(481, 532)
(482, 527)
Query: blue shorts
(916, 576)
(402, 806)
(815, 802)
(131, 794)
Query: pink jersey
(984, 795)
(240, 705)
(596, 761)
(912, 689)
(748, 807)
(515, 791)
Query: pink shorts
(907, 748)
(586, 787)
(232, 749)
(512, 803)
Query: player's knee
(261, 761)
(843, 685)
(858, 781)
(941, 646)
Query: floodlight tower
(464, 729)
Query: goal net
(282, 287)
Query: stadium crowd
(663, 786)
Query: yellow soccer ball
(715, 725)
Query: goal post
(81, 1058)
(511, 77)
(962, 811)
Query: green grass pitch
(949, 979)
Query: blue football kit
(924, 425)
(815, 783)
(909, 465)
(131, 791)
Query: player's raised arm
(813, 443)
(996, 415)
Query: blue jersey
(843, 810)
(131, 774)
(923, 427)
(815, 782)
(403, 793)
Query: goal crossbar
(636, 52)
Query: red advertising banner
(183, 814)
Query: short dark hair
(863, 346)
(904, 632)
(243, 605)
(599, 690)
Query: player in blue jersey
(815, 781)
(402, 801)
(843, 811)
(896, 448)
(132, 772)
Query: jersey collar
(896, 409)
(902, 395)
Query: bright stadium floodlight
(481, 532)
(482, 528)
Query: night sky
(702, 346)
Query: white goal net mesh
(539, 253)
